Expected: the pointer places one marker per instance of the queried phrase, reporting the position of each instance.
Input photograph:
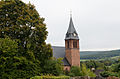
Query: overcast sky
(96, 21)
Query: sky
(97, 22)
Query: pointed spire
(71, 28)
(71, 33)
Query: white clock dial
(74, 34)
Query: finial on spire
(70, 13)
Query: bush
(50, 77)
(83, 71)
(75, 71)
(107, 74)
(115, 67)
(87, 72)
(53, 66)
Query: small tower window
(67, 44)
(66, 69)
(75, 44)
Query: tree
(87, 72)
(8, 47)
(116, 67)
(53, 66)
(108, 73)
(83, 71)
(11, 65)
(27, 50)
(21, 21)
(75, 71)
(94, 64)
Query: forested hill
(91, 54)
(99, 54)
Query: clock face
(74, 34)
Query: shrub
(75, 71)
(53, 66)
(83, 71)
(107, 74)
(87, 72)
(50, 77)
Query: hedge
(50, 77)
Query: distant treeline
(99, 54)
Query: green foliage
(50, 77)
(107, 74)
(116, 67)
(18, 67)
(23, 50)
(75, 71)
(107, 68)
(104, 74)
(22, 22)
(94, 64)
(11, 65)
(99, 54)
(53, 66)
(83, 71)
(8, 47)
(110, 66)
(87, 72)
(119, 60)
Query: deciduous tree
(27, 50)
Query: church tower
(72, 52)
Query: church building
(70, 53)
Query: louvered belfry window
(75, 44)
(68, 44)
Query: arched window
(75, 44)
(66, 69)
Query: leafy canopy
(23, 50)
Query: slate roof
(60, 52)
(71, 33)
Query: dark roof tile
(60, 52)
(71, 33)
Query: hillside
(99, 54)
(91, 54)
